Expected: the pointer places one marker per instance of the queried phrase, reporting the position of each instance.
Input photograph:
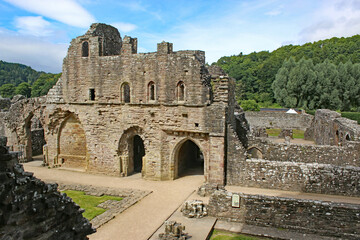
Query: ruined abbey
(163, 114)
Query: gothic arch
(151, 91)
(180, 91)
(131, 151)
(187, 155)
(71, 148)
(254, 152)
(85, 49)
(125, 92)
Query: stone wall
(306, 216)
(32, 209)
(5, 104)
(297, 176)
(37, 141)
(298, 167)
(329, 128)
(347, 155)
(164, 98)
(278, 120)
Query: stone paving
(139, 221)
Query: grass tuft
(89, 202)
(224, 235)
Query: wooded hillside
(21, 79)
(256, 72)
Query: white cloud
(31, 51)
(334, 18)
(36, 26)
(273, 13)
(65, 11)
(124, 27)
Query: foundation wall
(306, 216)
(279, 120)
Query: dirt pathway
(139, 221)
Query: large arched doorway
(138, 153)
(34, 139)
(190, 159)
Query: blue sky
(38, 32)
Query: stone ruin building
(118, 112)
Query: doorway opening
(138, 153)
(190, 159)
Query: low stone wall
(306, 216)
(278, 120)
(31, 209)
(294, 176)
(347, 155)
(298, 167)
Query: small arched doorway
(138, 153)
(190, 159)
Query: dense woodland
(323, 74)
(20, 79)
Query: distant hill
(255, 72)
(17, 78)
(16, 73)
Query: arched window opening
(85, 49)
(181, 91)
(254, 153)
(125, 93)
(347, 137)
(151, 91)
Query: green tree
(257, 71)
(249, 105)
(23, 89)
(43, 84)
(328, 85)
(7, 90)
(279, 86)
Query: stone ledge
(130, 197)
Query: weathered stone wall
(37, 141)
(347, 155)
(5, 104)
(31, 209)
(298, 167)
(18, 123)
(2, 123)
(306, 216)
(278, 120)
(329, 128)
(297, 176)
(165, 98)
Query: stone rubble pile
(32, 209)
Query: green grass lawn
(223, 235)
(298, 133)
(274, 132)
(89, 202)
